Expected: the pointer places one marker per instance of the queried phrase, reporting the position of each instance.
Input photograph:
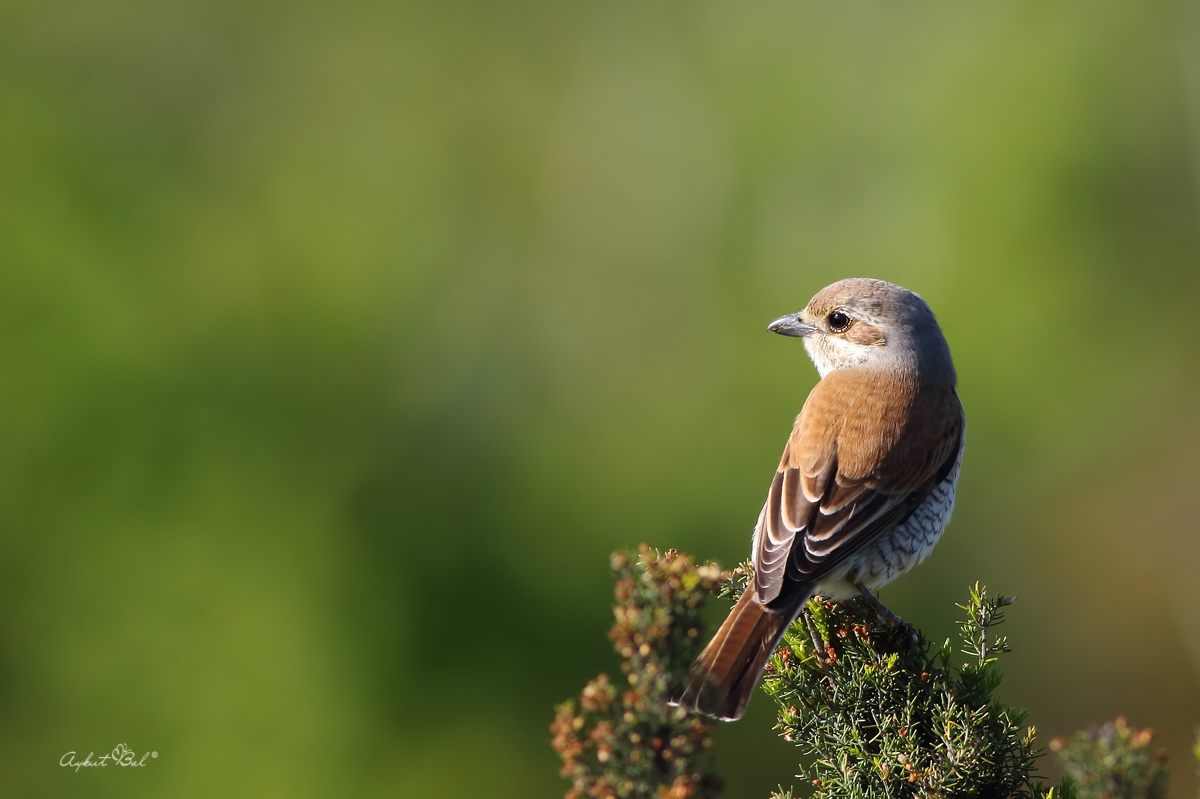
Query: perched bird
(866, 483)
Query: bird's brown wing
(865, 452)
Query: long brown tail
(721, 680)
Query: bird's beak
(791, 325)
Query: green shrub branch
(876, 711)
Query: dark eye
(838, 322)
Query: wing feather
(794, 505)
(864, 453)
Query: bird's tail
(721, 680)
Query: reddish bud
(1142, 737)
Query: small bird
(866, 483)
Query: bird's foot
(885, 616)
(819, 645)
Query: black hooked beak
(791, 325)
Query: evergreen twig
(877, 712)
(881, 717)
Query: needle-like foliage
(875, 710)
(881, 716)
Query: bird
(865, 486)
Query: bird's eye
(838, 322)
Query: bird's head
(860, 322)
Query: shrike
(866, 483)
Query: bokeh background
(341, 343)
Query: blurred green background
(341, 343)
